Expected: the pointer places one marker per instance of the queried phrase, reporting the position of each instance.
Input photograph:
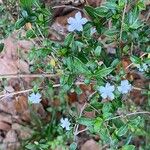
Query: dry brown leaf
(21, 104)
(5, 126)
(26, 116)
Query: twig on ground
(24, 91)
(29, 90)
(29, 75)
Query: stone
(90, 145)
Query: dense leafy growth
(92, 55)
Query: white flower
(142, 67)
(34, 98)
(65, 123)
(76, 23)
(124, 87)
(107, 91)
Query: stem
(66, 6)
(77, 125)
(40, 31)
(131, 114)
(133, 63)
(122, 21)
(28, 75)
(29, 90)
(81, 131)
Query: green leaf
(122, 131)
(101, 11)
(135, 60)
(126, 49)
(128, 147)
(27, 3)
(141, 5)
(121, 3)
(86, 121)
(90, 10)
(115, 63)
(97, 51)
(111, 32)
(68, 39)
(134, 122)
(30, 146)
(66, 81)
(107, 115)
(73, 146)
(103, 72)
(78, 90)
(111, 6)
(136, 24)
(80, 67)
(96, 105)
(104, 135)
(106, 107)
(1, 47)
(30, 34)
(97, 124)
(20, 23)
(133, 19)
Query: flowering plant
(93, 54)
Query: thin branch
(81, 131)
(94, 108)
(28, 75)
(131, 114)
(77, 125)
(133, 63)
(15, 93)
(91, 95)
(139, 89)
(29, 90)
(67, 6)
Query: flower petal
(71, 28)
(111, 96)
(83, 21)
(78, 16)
(71, 20)
(101, 89)
(38, 95)
(104, 95)
(111, 88)
(79, 27)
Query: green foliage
(7, 17)
(94, 59)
